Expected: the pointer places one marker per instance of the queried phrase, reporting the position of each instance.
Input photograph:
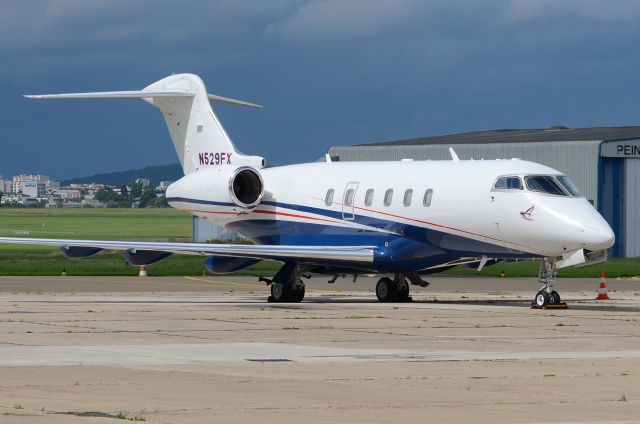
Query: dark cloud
(328, 72)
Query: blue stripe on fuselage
(410, 247)
(198, 201)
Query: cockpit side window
(508, 183)
(568, 185)
(544, 184)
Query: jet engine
(246, 187)
(224, 186)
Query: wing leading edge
(358, 254)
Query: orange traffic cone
(602, 291)
(143, 271)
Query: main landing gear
(547, 275)
(287, 285)
(397, 290)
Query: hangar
(604, 162)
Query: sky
(328, 72)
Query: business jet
(400, 220)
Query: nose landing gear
(547, 296)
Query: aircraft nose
(598, 234)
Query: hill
(154, 173)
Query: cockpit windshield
(568, 185)
(545, 184)
(508, 183)
(557, 185)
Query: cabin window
(508, 183)
(407, 197)
(428, 194)
(568, 185)
(328, 200)
(544, 184)
(388, 197)
(348, 197)
(368, 197)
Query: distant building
(17, 199)
(34, 189)
(68, 194)
(19, 181)
(144, 181)
(164, 185)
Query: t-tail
(198, 136)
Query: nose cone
(598, 234)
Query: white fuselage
(466, 215)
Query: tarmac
(211, 349)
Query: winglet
(453, 154)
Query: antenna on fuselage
(453, 154)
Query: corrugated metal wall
(204, 231)
(577, 159)
(631, 208)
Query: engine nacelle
(246, 187)
(79, 251)
(226, 264)
(144, 257)
(242, 187)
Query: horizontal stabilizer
(139, 94)
(227, 100)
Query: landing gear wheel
(385, 290)
(278, 293)
(542, 299)
(402, 291)
(296, 291)
(554, 298)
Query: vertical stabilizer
(198, 137)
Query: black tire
(278, 293)
(402, 291)
(555, 298)
(296, 291)
(542, 299)
(385, 290)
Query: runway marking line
(256, 285)
(188, 277)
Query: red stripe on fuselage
(441, 226)
(266, 212)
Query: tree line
(133, 195)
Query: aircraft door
(348, 200)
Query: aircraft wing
(359, 254)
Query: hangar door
(611, 199)
(631, 208)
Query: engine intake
(246, 187)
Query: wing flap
(359, 254)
